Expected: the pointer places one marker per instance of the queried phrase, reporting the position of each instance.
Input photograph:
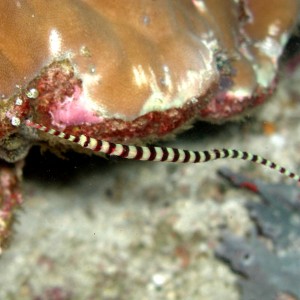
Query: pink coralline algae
(139, 70)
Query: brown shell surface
(133, 69)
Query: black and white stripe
(152, 153)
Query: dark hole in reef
(51, 169)
(292, 48)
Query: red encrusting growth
(10, 198)
(58, 104)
